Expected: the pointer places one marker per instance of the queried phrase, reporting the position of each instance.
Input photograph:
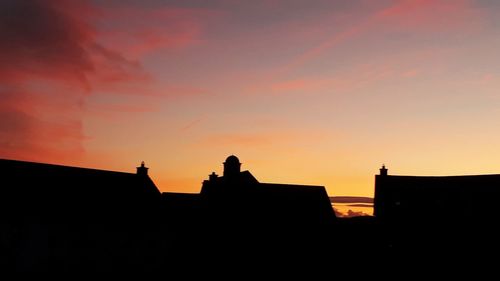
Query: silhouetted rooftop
(232, 159)
(435, 197)
(241, 193)
(34, 188)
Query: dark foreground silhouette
(69, 219)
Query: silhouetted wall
(455, 198)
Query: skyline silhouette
(64, 219)
(465, 192)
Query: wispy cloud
(141, 30)
(406, 16)
(350, 199)
(427, 15)
(280, 138)
(192, 124)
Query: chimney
(213, 176)
(383, 170)
(142, 170)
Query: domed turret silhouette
(232, 166)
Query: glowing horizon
(305, 92)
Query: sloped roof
(56, 189)
(302, 202)
(244, 195)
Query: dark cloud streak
(39, 38)
(360, 205)
(351, 199)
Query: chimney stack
(383, 170)
(142, 170)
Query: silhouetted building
(238, 198)
(232, 167)
(239, 192)
(60, 218)
(70, 219)
(436, 198)
(55, 192)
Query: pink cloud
(26, 136)
(411, 16)
(42, 47)
(311, 85)
(430, 15)
(297, 84)
(333, 41)
(43, 40)
(410, 73)
(115, 110)
(52, 60)
(356, 77)
(140, 31)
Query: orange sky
(308, 92)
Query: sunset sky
(317, 92)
